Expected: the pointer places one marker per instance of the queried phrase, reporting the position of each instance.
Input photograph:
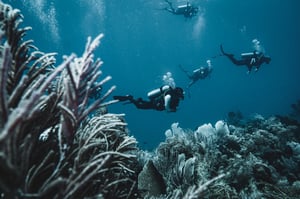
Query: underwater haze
(143, 42)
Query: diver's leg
(123, 98)
(142, 104)
(231, 57)
(169, 2)
(170, 8)
(223, 52)
(190, 84)
(190, 76)
(249, 69)
(235, 61)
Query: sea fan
(27, 62)
(42, 106)
(79, 81)
(100, 160)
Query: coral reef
(50, 145)
(58, 140)
(259, 159)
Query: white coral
(175, 131)
(221, 128)
(208, 134)
(295, 146)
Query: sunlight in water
(93, 20)
(198, 27)
(46, 14)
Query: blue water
(142, 43)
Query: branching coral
(181, 159)
(50, 146)
(27, 62)
(79, 81)
(258, 159)
(100, 160)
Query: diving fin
(223, 52)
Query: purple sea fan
(78, 82)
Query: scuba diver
(200, 73)
(252, 59)
(163, 98)
(187, 10)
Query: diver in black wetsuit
(187, 10)
(163, 98)
(199, 73)
(252, 59)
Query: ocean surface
(143, 42)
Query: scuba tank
(247, 55)
(156, 92)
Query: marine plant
(54, 143)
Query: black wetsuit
(156, 103)
(256, 59)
